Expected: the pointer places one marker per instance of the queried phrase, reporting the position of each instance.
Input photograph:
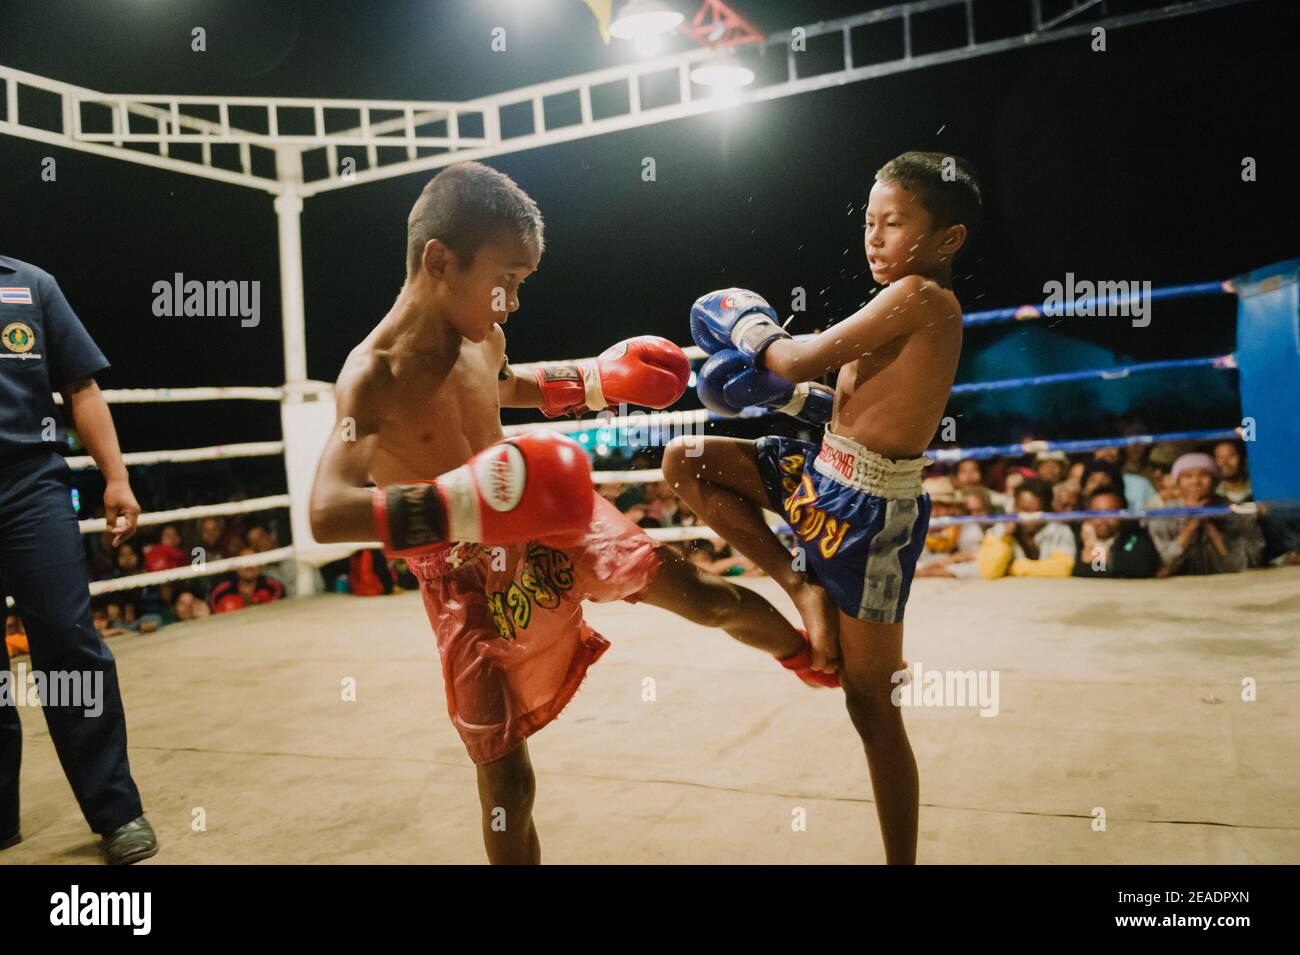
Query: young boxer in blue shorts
(855, 501)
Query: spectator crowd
(183, 545)
(1133, 477)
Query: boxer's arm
(94, 424)
(517, 391)
(899, 309)
(341, 503)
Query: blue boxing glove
(735, 318)
(728, 384)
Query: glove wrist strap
(753, 333)
(595, 400)
(409, 517)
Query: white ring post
(288, 211)
(301, 416)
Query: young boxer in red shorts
(507, 537)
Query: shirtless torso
(431, 411)
(892, 399)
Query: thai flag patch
(15, 296)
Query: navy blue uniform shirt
(43, 347)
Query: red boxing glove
(508, 493)
(646, 370)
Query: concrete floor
(1119, 695)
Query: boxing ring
(313, 730)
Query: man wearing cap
(1050, 466)
(44, 347)
(949, 551)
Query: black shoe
(8, 842)
(130, 843)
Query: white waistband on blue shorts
(846, 462)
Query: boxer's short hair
(946, 185)
(466, 206)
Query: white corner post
(307, 408)
(288, 213)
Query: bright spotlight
(644, 18)
(722, 76)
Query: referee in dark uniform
(43, 347)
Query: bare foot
(821, 620)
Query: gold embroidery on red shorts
(547, 574)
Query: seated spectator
(1075, 473)
(122, 613)
(189, 607)
(1203, 545)
(104, 621)
(126, 561)
(1234, 483)
(1099, 473)
(1050, 466)
(218, 538)
(158, 601)
(1013, 481)
(978, 501)
(1029, 548)
(973, 474)
(969, 473)
(1166, 490)
(1126, 464)
(610, 492)
(243, 588)
(260, 540)
(100, 554)
(1113, 547)
(1065, 496)
(167, 553)
(1111, 455)
(949, 551)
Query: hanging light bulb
(723, 73)
(644, 18)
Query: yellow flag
(603, 10)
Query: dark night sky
(1118, 165)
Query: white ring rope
(188, 513)
(202, 569)
(642, 421)
(139, 396)
(251, 449)
(626, 477)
